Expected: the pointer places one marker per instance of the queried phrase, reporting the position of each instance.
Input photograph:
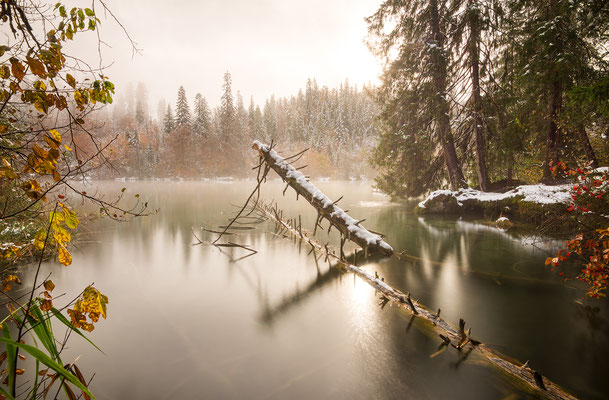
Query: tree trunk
(443, 130)
(585, 142)
(477, 104)
(554, 105)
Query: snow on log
(326, 208)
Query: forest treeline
(479, 93)
(191, 140)
(486, 92)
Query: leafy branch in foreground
(589, 205)
(33, 320)
(45, 139)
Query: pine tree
(414, 98)
(470, 21)
(227, 109)
(141, 104)
(241, 119)
(182, 109)
(168, 121)
(256, 123)
(559, 49)
(270, 120)
(202, 117)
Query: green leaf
(46, 360)
(89, 12)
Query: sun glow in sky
(268, 46)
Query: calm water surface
(187, 322)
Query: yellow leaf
(67, 148)
(4, 72)
(39, 151)
(40, 238)
(41, 106)
(55, 135)
(50, 142)
(71, 80)
(8, 281)
(64, 255)
(61, 235)
(87, 326)
(70, 218)
(56, 218)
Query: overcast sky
(268, 46)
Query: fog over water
(188, 321)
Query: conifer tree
(182, 109)
(141, 104)
(560, 47)
(227, 108)
(168, 121)
(414, 97)
(202, 117)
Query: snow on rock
(542, 194)
(351, 223)
(503, 223)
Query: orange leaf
(49, 285)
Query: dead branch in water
(457, 338)
(262, 171)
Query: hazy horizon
(269, 47)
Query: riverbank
(540, 206)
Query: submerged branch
(458, 338)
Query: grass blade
(67, 323)
(6, 394)
(11, 353)
(48, 361)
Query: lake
(188, 321)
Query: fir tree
(182, 109)
(168, 121)
(227, 108)
(202, 117)
(414, 98)
(141, 104)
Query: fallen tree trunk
(458, 338)
(326, 208)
